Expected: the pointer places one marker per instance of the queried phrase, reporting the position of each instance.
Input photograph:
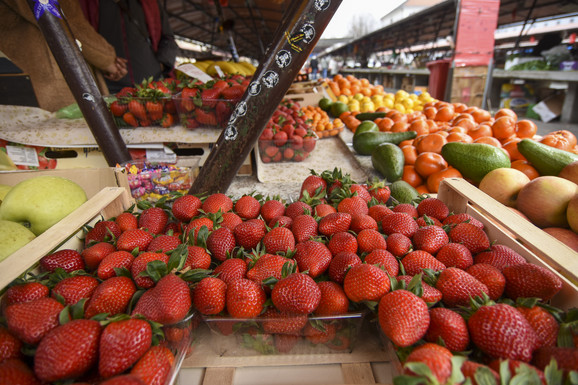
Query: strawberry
(247, 207)
(490, 276)
(500, 256)
(275, 321)
(304, 227)
(365, 282)
(221, 243)
(399, 223)
(460, 218)
(9, 345)
(123, 379)
(403, 317)
(518, 366)
(424, 220)
(398, 244)
(117, 108)
(175, 228)
(314, 185)
(429, 294)
(268, 265)
(186, 207)
(455, 255)
(115, 260)
(334, 223)
(430, 238)
(154, 366)
(284, 343)
(126, 221)
(415, 261)
(67, 259)
(543, 323)
(380, 192)
(280, 138)
(137, 109)
(139, 266)
(24, 292)
(360, 190)
(272, 209)
(73, 289)
(30, 321)
(245, 298)
(369, 240)
(209, 295)
(111, 296)
(297, 208)
(469, 369)
(529, 280)
(407, 208)
(361, 222)
(94, 254)
(378, 212)
(187, 94)
(566, 358)
(126, 92)
(342, 241)
(210, 97)
(216, 202)
(223, 112)
(450, 327)
(458, 287)
(197, 258)
(15, 371)
(164, 243)
(231, 270)
(501, 331)
(354, 205)
(132, 239)
(206, 118)
(340, 264)
(313, 257)
(197, 224)
(130, 119)
(279, 239)
(309, 143)
(233, 93)
(323, 209)
(320, 334)
(153, 219)
(434, 208)
(154, 109)
(68, 351)
(168, 302)
(249, 234)
(333, 301)
(474, 238)
(297, 293)
(384, 260)
(122, 343)
(168, 120)
(281, 221)
(230, 220)
(436, 357)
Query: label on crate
(23, 156)
(194, 72)
(165, 155)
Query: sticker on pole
(231, 132)
(283, 58)
(321, 5)
(40, 6)
(270, 79)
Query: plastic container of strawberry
(294, 149)
(197, 113)
(133, 112)
(248, 337)
(153, 181)
(180, 339)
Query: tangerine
(433, 181)
(411, 176)
(526, 168)
(526, 129)
(428, 163)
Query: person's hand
(116, 70)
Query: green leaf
(178, 258)
(409, 380)
(457, 377)
(421, 369)
(484, 376)
(554, 376)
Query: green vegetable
(474, 160)
(388, 160)
(546, 159)
(366, 142)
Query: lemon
(400, 107)
(407, 103)
(413, 96)
(401, 94)
(358, 97)
(388, 103)
(367, 107)
(353, 105)
(343, 98)
(377, 98)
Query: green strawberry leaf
(122, 272)
(484, 376)
(422, 370)
(457, 377)
(177, 258)
(554, 376)
(409, 380)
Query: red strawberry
(543, 323)
(436, 357)
(137, 109)
(94, 254)
(378, 212)
(430, 238)
(153, 219)
(415, 261)
(221, 243)
(284, 343)
(434, 208)
(111, 296)
(321, 334)
(222, 112)
(126, 221)
(500, 256)
(102, 231)
(10, 346)
(280, 138)
(313, 257)
(249, 234)
(283, 323)
(30, 321)
(168, 120)
(206, 118)
(131, 239)
(407, 208)
(68, 351)
(231, 270)
(24, 292)
(197, 224)
(334, 223)
(365, 282)
(168, 302)
(115, 260)
(123, 379)
(154, 366)
(309, 143)
(460, 218)
(469, 369)
(424, 220)
(245, 298)
(298, 208)
(323, 209)
(398, 244)
(380, 192)
(490, 276)
(272, 209)
(354, 205)
(455, 255)
(340, 264)
(399, 223)
(403, 317)
(73, 289)
(514, 366)
(566, 358)
(297, 293)
(333, 301)
(130, 119)
(154, 109)
(474, 238)
(501, 331)
(186, 207)
(314, 185)
(15, 371)
(216, 202)
(233, 93)
(164, 243)
(450, 327)
(210, 97)
(268, 265)
(230, 220)
(430, 294)
(279, 239)
(343, 241)
(281, 221)
(122, 344)
(198, 258)
(67, 259)
(247, 207)
(360, 190)
(369, 240)
(383, 259)
(117, 108)
(459, 287)
(174, 228)
(139, 265)
(304, 227)
(361, 222)
(209, 295)
(528, 280)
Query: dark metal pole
(81, 82)
(296, 37)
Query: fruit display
(227, 67)
(320, 122)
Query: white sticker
(194, 72)
(254, 88)
(165, 155)
(219, 71)
(283, 58)
(308, 33)
(231, 132)
(23, 156)
(270, 79)
(322, 5)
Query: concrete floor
(544, 128)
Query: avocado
(474, 160)
(388, 160)
(547, 160)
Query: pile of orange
(319, 121)
(350, 85)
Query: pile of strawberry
(209, 104)
(456, 306)
(287, 137)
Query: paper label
(219, 71)
(23, 156)
(194, 72)
(165, 155)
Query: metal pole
(296, 37)
(81, 82)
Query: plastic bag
(72, 111)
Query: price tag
(194, 72)
(219, 71)
(23, 156)
(165, 155)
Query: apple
(572, 214)
(4, 188)
(566, 236)
(516, 211)
(40, 202)
(504, 184)
(12, 237)
(544, 200)
(570, 172)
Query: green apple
(40, 202)
(4, 188)
(12, 237)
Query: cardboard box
(549, 108)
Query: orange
(526, 168)
(488, 140)
(557, 141)
(506, 112)
(430, 112)
(480, 115)
(526, 129)
(458, 129)
(428, 163)
(422, 189)
(399, 126)
(466, 123)
(430, 143)
(420, 126)
(434, 180)
(459, 107)
(511, 147)
(385, 124)
(411, 176)
(480, 130)
(444, 114)
(459, 137)
(409, 153)
(504, 127)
